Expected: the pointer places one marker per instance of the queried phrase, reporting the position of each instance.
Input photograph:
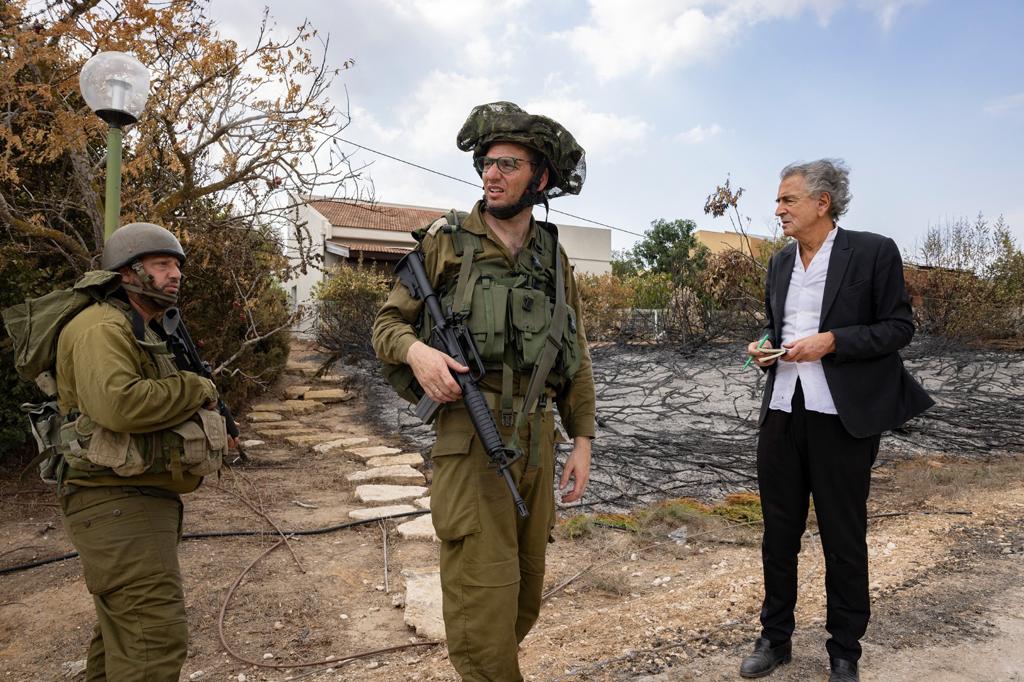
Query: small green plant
(578, 526)
(346, 305)
(617, 521)
(740, 508)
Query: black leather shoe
(843, 671)
(765, 658)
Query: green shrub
(346, 303)
(651, 290)
(604, 299)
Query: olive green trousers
(127, 539)
(492, 561)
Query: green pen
(750, 358)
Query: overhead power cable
(477, 185)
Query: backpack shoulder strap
(466, 245)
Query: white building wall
(315, 230)
(589, 248)
(381, 237)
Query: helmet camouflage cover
(506, 122)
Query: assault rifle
(451, 336)
(187, 358)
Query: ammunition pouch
(45, 421)
(509, 314)
(196, 446)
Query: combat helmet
(129, 244)
(507, 122)
(135, 240)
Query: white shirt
(802, 317)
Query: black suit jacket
(867, 308)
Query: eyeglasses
(506, 164)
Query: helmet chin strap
(531, 197)
(148, 292)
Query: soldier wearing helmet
(508, 278)
(137, 433)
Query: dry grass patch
(610, 581)
(919, 480)
(713, 522)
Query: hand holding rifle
(455, 351)
(187, 358)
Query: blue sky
(923, 99)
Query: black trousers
(802, 454)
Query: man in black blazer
(835, 300)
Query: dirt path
(947, 588)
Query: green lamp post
(115, 85)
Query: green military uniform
(134, 438)
(492, 561)
(126, 528)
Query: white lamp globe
(115, 85)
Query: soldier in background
(508, 277)
(138, 433)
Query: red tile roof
(377, 216)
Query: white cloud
(626, 37)
(455, 16)
(601, 134)
(439, 107)
(367, 124)
(887, 10)
(622, 37)
(698, 134)
(422, 131)
(1005, 105)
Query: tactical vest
(196, 445)
(73, 446)
(519, 318)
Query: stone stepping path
(366, 454)
(307, 369)
(295, 392)
(380, 512)
(302, 440)
(328, 395)
(420, 528)
(284, 432)
(303, 406)
(283, 424)
(388, 493)
(340, 443)
(398, 473)
(255, 417)
(412, 459)
(423, 601)
(389, 484)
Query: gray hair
(825, 175)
